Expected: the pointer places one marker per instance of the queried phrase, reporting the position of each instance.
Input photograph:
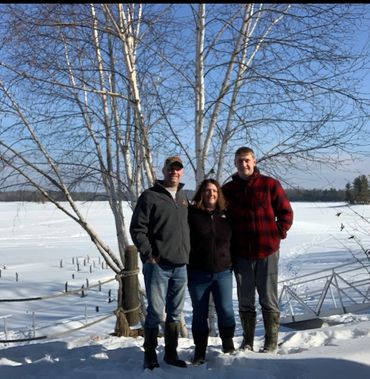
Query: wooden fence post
(128, 294)
(130, 285)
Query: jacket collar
(256, 173)
(204, 211)
(160, 183)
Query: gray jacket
(159, 225)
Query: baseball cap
(175, 159)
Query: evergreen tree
(361, 193)
(349, 194)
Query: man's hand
(152, 260)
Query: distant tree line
(316, 194)
(34, 196)
(356, 193)
(38, 197)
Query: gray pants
(259, 274)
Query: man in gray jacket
(159, 229)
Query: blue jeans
(165, 286)
(201, 284)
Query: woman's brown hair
(197, 199)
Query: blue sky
(307, 177)
(325, 178)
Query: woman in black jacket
(209, 269)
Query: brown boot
(248, 321)
(271, 321)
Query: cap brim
(176, 164)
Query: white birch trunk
(128, 36)
(248, 27)
(199, 95)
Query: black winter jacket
(210, 235)
(159, 225)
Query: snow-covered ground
(42, 253)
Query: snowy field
(42, 253)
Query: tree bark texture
(128, 310)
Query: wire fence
(32, 332)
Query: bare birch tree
(277, 77)
(71, 109)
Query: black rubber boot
(150, 344)
(248, 321)
(227, 335)
(200, 342)
(271, 321)
(171, 335)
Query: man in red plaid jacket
(260, 215)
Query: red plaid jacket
(260, 215)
